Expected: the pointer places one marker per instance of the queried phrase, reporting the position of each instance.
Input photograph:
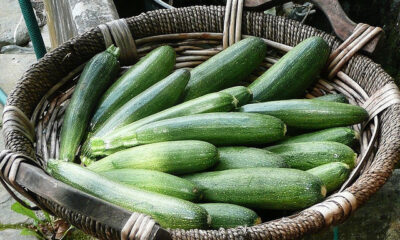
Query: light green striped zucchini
(155, 181)
(120, 138)
(175, 157)
(168, 211)
(307, 155)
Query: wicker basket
(33, 116)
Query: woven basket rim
(18, 143)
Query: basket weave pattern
(39, 140)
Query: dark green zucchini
(97, 75)
(333, 175)
(247, 157)
(155, 66)
(310, 114)
(293, 73)
(242, 94)
(158, 97)
(226, 68)
(264, 188)
(217, 128)
(225, 215)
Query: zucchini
(168, 211)
(340, 98)
(227, 68)
(155, 181)
(307, 155)
(213, 102)
(342, 135)
(94, 80)
(247, 157)
(242, 94)
(333, 175)
(225, 215)
(155, 66)
(217, 128)
(296, 71)
(158, 97)
(310, 114)
(176, 157)
(264, 188)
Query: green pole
(33, 28)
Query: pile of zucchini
(194, 149)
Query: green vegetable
(158, 97)
(340, 98)
(307, 155)
(213, 102)
(94, 80)
(247, 157)
(155, 181)
(168, 211)
(333, 175)
(225, 215)
(293, 73)
(343, 135)
(242, 94)
(265, 188)
(310, 114)
(216, 128)
(226, 68)
(155, 66)
(176, 157)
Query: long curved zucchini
(155, 181)
(212, 102)
(226, 68)
(247, 157)
(310, 114)
(217, 128)
(155, 66)
(264, 188)
(344, 135)
(94, 80)
(176, 157)
(293, 73)
(168, 211)
(158, 97)
(225, 215)
(307, 155)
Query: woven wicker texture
(64, 64)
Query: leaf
(18, 208)
(47, 216)
(30, 232)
